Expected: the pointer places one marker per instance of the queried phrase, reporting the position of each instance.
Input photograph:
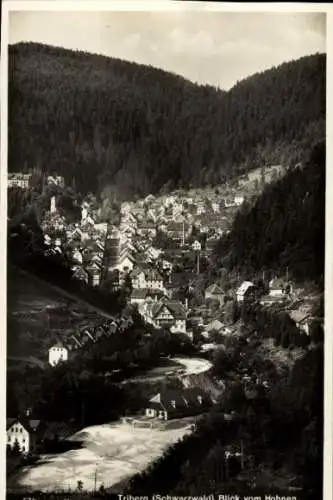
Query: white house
(24, 432)
(147, 278)
(239, 200)
(245, 291)
(216, 207)
(166, 265)
(57, 353)
(57, 180)
(47, 239)
(126, 263)
(196, 246)
(279, 288)
(94, 271)
(170, 314)
(80, 274)
(153, 253)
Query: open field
(114, 452)
(38, 315)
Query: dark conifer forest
(101, 121)
(285, 228)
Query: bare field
(111, 452)
(37, 316)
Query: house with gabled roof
(153, 253)
(215, 326)
(196, 245)
(279, 288)
(214, 292)
(147, 277)
(229, 201)
(168, 314)
(245, 292)
(80, 274)
(126, 262)
(141, 295)
(239, 200)
(94, 271)
(146, 228)
(77, 256)
(302, 320)
(177, 403)
(57, 353)
(24, 432)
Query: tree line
(137, 129)
(279, 431)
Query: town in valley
(165, 256)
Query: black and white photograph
(165, 193)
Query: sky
(215, 48)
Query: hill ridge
(139, 129)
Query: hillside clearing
(37, 315)
(114, 452)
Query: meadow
(39, 316)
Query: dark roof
(179, 399)
(277, 284)
(175, 307)
(142, 293)
(214, 289)
(31, 425)
(178, 226)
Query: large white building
(57, 353)
(22, 433)
(19, 180)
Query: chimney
(28, 412)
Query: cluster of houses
(61, 351)
(103, 252)
(23, 180)
(19, 180)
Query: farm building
(177, 403)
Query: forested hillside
(285, 228)
(105, 122)
(280, 433)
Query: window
(21, 430)
(23, 440)
(9, 439)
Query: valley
(165, 288)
